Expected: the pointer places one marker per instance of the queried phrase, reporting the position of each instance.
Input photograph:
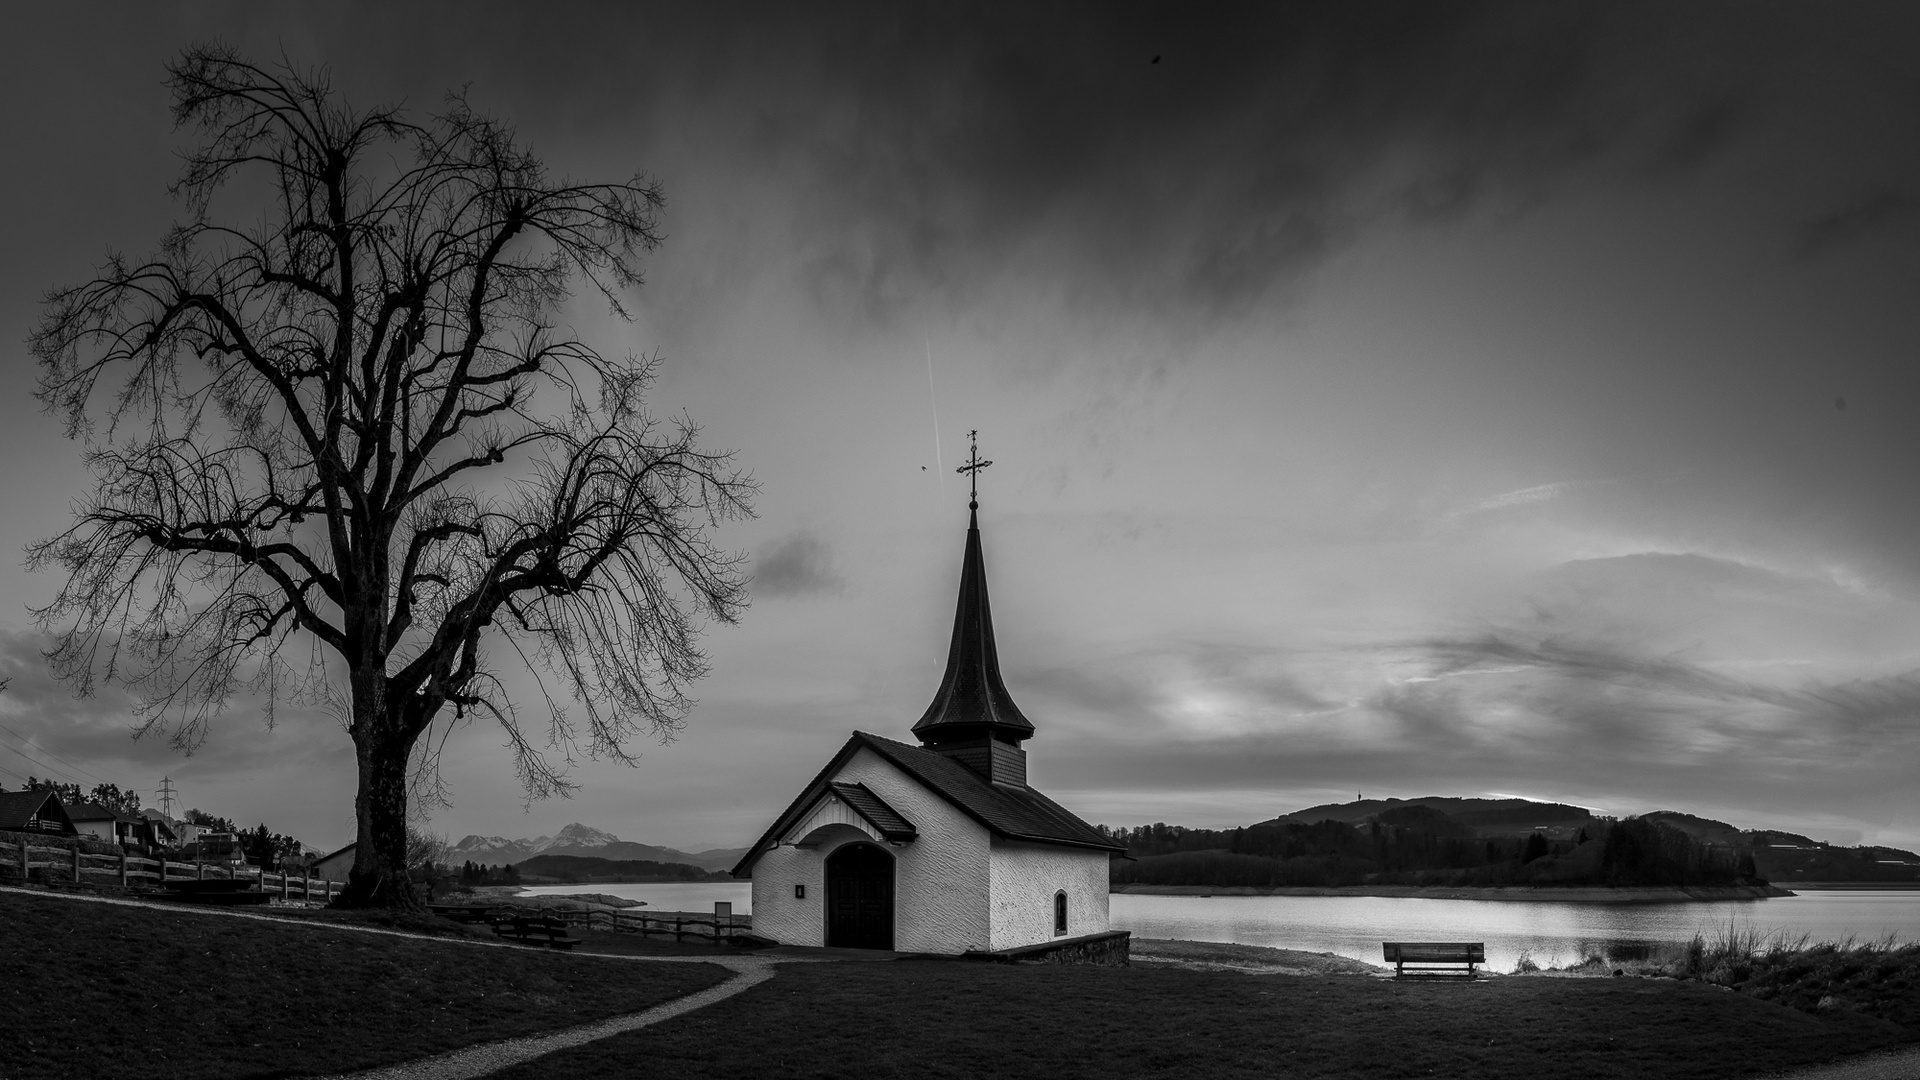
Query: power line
(43, 765)
(57, 757)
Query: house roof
(972, 699)
(93, 811)
(1015, 813)
(885, 819)
(350, 846)
(17, 808)
(1012, 813)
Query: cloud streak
(798, 565)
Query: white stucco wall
(98, 830)
(1025, 878)
(940, 880)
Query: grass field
(957, 1020)
(95, 990)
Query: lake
(1354, 926)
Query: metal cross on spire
(972, 469)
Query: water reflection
(1354, 926)
(1553, 934)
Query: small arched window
(1060, 912)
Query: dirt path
(476, 1061)
(1898, 1065)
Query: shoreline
(1586, 894)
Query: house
(186, 832)
(157, 831)
(37, 811)
(105, 823)
(941, 847)
(334, 867)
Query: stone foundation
(1111, 949)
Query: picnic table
(224, 892)
(1435, 957)
(535, 930)
(466, 913)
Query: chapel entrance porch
(860, 897)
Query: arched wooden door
(860, 897)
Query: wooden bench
(1435, 957)
(535, 930)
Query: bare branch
(347, 440)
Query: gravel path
(481, 1060)
(1898, 1065)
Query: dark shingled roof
(1013, 813)
(885, 819)
(17, 808)
(1017, 813)
(93, 811)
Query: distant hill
(1773, 854)
(1485, 817)
(584, 842)
(1707, 829)
(577, 868)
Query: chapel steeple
(973, 718)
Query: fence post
(306, 890)
(76, 864)
(23, 860)
(200, 869)
(123, 868)
(722, 916)
(283, 884)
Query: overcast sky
(1440, 399)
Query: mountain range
(584, 841)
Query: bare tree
(341, 448)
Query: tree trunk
(379, 878)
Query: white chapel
(940, 847)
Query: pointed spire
(972, 702)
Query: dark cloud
(1860, 220)
(1265, 139)
(799, 565)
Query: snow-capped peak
(577, 835)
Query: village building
(37, 811)
(105, 823)
(940, 847)
(334, 865)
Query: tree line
(1419, 846)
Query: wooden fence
(679, 925)
(125, 870)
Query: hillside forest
(1486, 842)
